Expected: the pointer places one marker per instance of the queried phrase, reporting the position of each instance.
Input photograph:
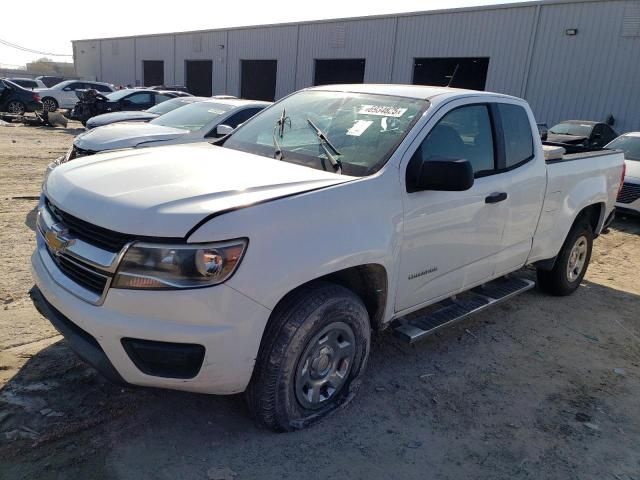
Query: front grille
(630, 193)
(83, 276)
(98, 236)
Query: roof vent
(338, 37)
(631, 21)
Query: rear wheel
(313, 354)
(49, 104)
(16, 107)
(572, 262)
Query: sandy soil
(538, 388)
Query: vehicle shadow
(475, 399)
(627, 223)
(30, 219)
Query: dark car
(581, 133)
(50, 80)
(18, 100)
(130, 99)
(142, 115)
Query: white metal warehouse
(569, 58)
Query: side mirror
(439, 173)
(223, 130)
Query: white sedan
(195, 122)
(629, 196)
(63, 94)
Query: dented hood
(166, 191)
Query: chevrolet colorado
(264, 262)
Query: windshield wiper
(280, 124)
(326, 144)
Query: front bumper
(228, 324)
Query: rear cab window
(518, 136)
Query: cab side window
(464, 133)
(518, 139)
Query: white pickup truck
(263, 263)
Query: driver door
(451, 239)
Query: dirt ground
(540, 387)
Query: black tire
(16, 107)
(49, 104)
(289, 359)
(562, 279)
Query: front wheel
(311, 358)
(571, 264)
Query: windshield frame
(373, 169)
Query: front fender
(297, 239)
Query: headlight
(167, 267)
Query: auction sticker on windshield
(382, 110)
(359, 127)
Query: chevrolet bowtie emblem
(57, 240)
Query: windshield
(168, 105)
(573, 129)
(194, 116)
(365, 129)
(630, 145)
(119, 94)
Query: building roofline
(478, 8)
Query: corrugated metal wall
(265, 43)
(118, 61)
(86, 57)
(160, 47)
(590, 75)
(587, 76)
(501, 34)
(203, 46)
(369, 39)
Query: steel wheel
(577, 259)
(324, 365)
(15, 107)
(49, 105)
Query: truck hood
(166, 191)
(569, 139)
(114, 117)
(120, 135)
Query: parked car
(63, 94)
(195, 122)
(28, 83)
(142, 115)
(17, 100)
(91, 104)
(581, 132)
(543, 130)
(629, 196)
(50, 80)
(264, 262)
(177, 88)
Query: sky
(72, 21)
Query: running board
(421, 324)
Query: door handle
(496, 197)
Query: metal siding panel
(502, 35)
(210, 50)
(118, 62)
(87, 59)
(587, 76)
(369, 39)
(268, 43)
(158, 47)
